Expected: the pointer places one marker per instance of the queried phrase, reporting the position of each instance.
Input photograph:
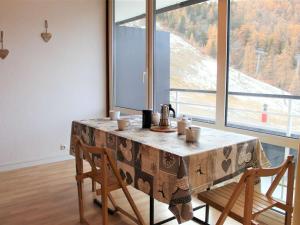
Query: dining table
(165, 166)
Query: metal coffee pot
(165, 114)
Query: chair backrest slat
(283, 168)
(268, 172)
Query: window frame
(111, 58)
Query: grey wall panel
(161, 69)
(130, 63)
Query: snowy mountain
(190, 69)
(205, 70)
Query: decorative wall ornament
(46, 36)
(3, 52)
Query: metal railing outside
(248, 126)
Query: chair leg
(80, 201)
(290, 191)
(93, 185)
(288, 218)
(104, 208)
(104, 192)
(132, 204)
(113, 202)
(140, 219)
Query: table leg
(151, 210)
(195, 219)
(206, 213)
(199, 221)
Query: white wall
(44, 86)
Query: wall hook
(46, 36)
(3, 52)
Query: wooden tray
(163, 129)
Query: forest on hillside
(264, 37)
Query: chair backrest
(247, 181)
(86, 152)
(81, 149)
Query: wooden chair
(241, 202)
(108, 182)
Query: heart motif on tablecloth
(144, 186)
(126, 176)
(126, 150)
(244, 156)
(226, 151)
(226, 164)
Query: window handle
(144, 75)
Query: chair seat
(219, 197)
(112, 182)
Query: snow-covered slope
(205, 69)
(191, 69)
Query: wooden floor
(47, 195)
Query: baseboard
(18, 165)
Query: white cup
(114, 115)
(193, 134)
(123, 124)
(155, 118)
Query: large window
(185, 66)
(263, 73)
(242, 76)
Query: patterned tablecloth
(164, 166)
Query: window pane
(130, 81)
(264, 66)
(128, 9)
(185, 68)
(276, 155)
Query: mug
(123, 124)
(192, 134)
(114, 115)
(155, 118)
(147, 118)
